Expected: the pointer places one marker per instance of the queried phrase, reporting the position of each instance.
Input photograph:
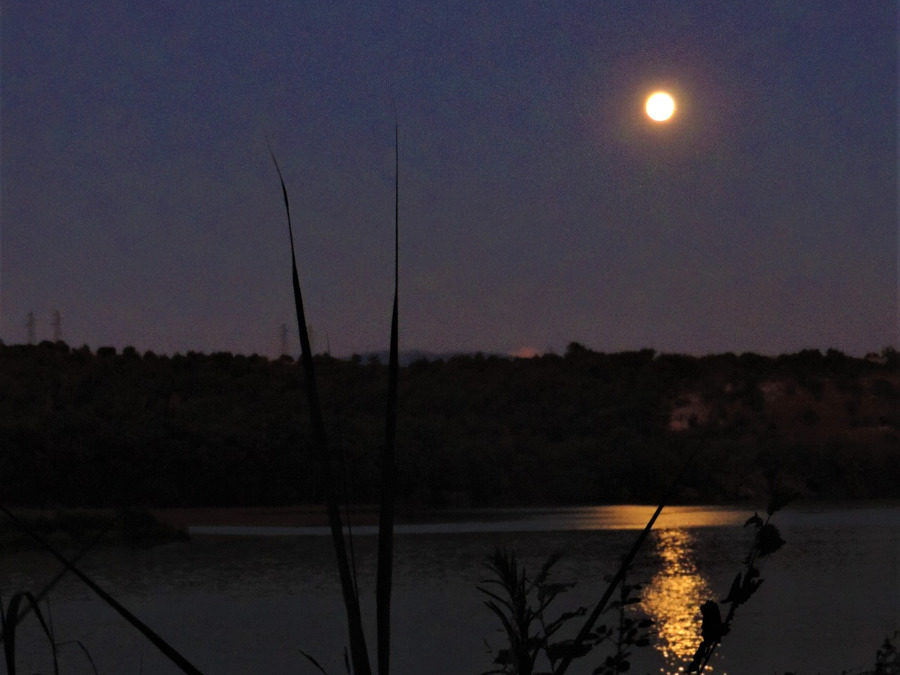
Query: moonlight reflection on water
(671, 599)
(206, 592)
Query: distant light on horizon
(526, 353)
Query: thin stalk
(620, 573)
(8, 618)
(388, 457)
(358, 651)
(50, 585)
(616, 580)
(163, 646)
(348, 518)
(749, 565)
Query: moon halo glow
(660, 106)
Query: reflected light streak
(672, 599)
(634, 517)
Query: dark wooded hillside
(79, 428)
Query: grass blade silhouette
(318, 666)
(173, 654)
(621, 572)
(50, 585)
(10, 618)
(388, 458)
(86, 652)
(358, 651)
(610, 589)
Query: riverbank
(65, 528)
(258, 516)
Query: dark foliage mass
(522, 606)
(111, 428)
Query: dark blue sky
(538, 206)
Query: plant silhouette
(534, 640)
(713, 628)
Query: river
(252, 600)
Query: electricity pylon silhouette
(57, 326)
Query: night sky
(538, 204)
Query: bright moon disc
(660, 106)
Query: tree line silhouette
(120, 428)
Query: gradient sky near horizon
(538, 204)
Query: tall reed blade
(10, 618)
(388, 457)
(358, 650)
(163, 646)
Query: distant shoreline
(315, 516)
(261, 516)
(69, 526)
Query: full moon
(660, 106)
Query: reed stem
(358, 651)
(388, 458)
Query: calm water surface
(245, 601)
